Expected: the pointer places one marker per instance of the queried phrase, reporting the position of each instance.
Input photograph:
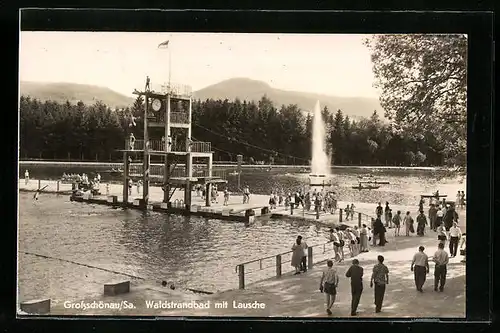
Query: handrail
(240, 269)
(159, 145)
(280, 254)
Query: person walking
(373, 234)
(450, 217)
(379, 279)
(328, 285)
(463, 247)
(355, 272)
(441, 259)
(396, 220)
(226, 196)
(441, 233)
(420, 267)
(455, 235)
(379, 210)
(439, 218)
(408, 222)
(432, 217)
(379, 230)
(421, 223)
(334, 238)
(387, 209)
(303, 262)
(341, 237)
(462, 200)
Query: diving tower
(166, 138)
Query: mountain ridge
(241, 88)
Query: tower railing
(157, 171)
(159, 145)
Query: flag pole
(169, 66)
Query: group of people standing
(317, 200)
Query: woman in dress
(458, 199)
(363, 237)
(298, 253)
(379, 229)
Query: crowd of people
(357, 240)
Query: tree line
(260, 131)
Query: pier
(236, 211)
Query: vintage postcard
(249, 175)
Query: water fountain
(320, 164)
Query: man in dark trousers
(355, 272)
(380, 277)
(441, 259)
(420, 267)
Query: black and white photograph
(194, 174)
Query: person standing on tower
(131, 141)
(147, 87)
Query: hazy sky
(329, 64)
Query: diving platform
(166, 136)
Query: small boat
(115, 172)
(365, 187)
(234, 173)
(376, 182)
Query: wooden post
(340, 215)
(190, 111)
(241, 274)
(146, 159)
(359, 220)
(39, 184)
(239, 159)
(278, 265)
(208, 189)
(57, 186)
(125, 177)
(291, 206)
(187, 195)
(166, 175)
(309, 257)
(317, 212)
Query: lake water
(188, 251)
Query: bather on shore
(298, 252)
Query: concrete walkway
(298, 295)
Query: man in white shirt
(441, 259)
(420, 267)
(455, 235)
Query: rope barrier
(80, 264)
(109, 270)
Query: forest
(261, 132)
(423, 92)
